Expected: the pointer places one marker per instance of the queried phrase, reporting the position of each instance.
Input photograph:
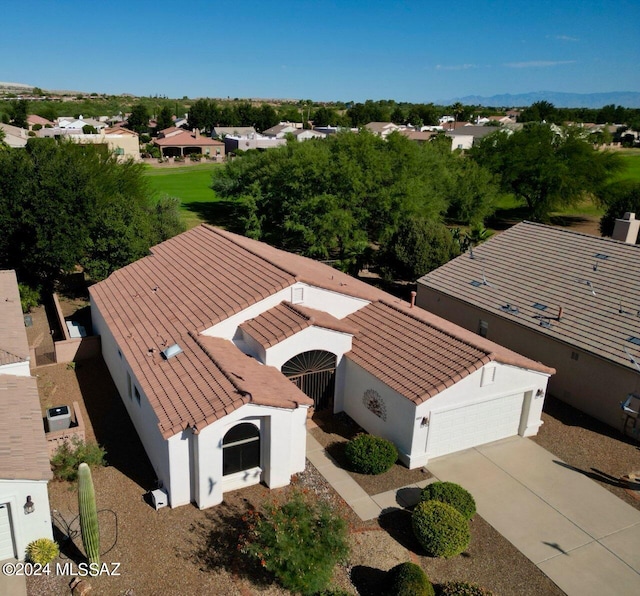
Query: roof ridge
(20, 358)
(574, 232)
(298, 311)
(252, 252)
(231, 378)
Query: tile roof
(199, 278)
(186, 139)
(533, 264)
(23, 448)
(416, 357)
(286, 319)
(14, 346)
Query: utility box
(159, 498)
(58, 418)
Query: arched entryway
(241, 449)
(314, 373)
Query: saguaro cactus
(88, 514)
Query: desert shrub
(29, 297)
(463, 589)
(42, 551)
(299, 541)
(452, 494)
(408, 579)
(370, 455)
(441, 530)
(71, 454)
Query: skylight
(545, 323)
(512, 310)
(540, 306)
(604, 257)
(634, 340)
(171, 351)
(476, 284)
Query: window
(483, 328)
(574, 355)
(241, 449)
(120, 354)
(119, 151)
(129, 385)
(137, 394)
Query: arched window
(241, 448)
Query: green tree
(66, 204)
(618, 199)
(19, 113)
(164, 120)
(546, 169)
(541, 111)
(417, 247)
(138, 120)
(325, 117)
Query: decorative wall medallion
(374, 403)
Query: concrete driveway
(579, 534)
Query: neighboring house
(122, 142)
(279, 131)
(80, 123)
(305, 135)
(14, 136)
(34, 119)
(569, 299)
(233, 143)
(331, 130)
(24, 460)
(465, 136)
(419, 136)
(175, 142)
(219, 132)
(382, 129)
(219, 345)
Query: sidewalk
(12, 585)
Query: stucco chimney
(196, 133)
(626, 229)
(413, 299)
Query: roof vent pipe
(413, 299)
(559, 313)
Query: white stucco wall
(27, 527)
(19, 369)
(403, 424)
(337, 305)
(143, 417)
(282, 444)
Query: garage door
(6, 539)
(464, 427)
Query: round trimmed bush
(408, 579)
(463, 589)
(42, 551)
(441, 530)
(368, 454)
(451, 494)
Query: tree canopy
(65, 204)
(334, 198)
(138, 120)
(618, 199)
(164, 119)
(545, 168)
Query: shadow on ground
(111, 423)
(224, 214)
(369, 581)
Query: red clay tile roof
(199, 278)
(418, 360)
(14, 346)
(286, 319)
(531, 264)
(23, 448)
(187, 139)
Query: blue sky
(325, 50)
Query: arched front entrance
(241, 449)
(314, 373)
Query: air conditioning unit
(58, 418)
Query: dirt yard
(187, 551)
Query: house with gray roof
(221, 346)
(24, 457)
(464, 137)
(569, 299)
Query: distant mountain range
(627, 99)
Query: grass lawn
(631, 159)
(191, 184)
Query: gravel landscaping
(188, 551)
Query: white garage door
(464, 427)
(6, 539)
